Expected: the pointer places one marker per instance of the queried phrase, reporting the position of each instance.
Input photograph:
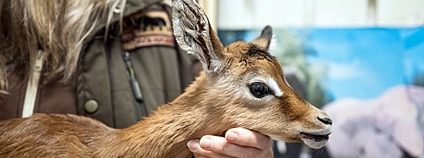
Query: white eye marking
(274, 86)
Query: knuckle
(247, 153)
(268, 153)
(198, 156)
(268, 143)
(225, 147)
(203, 154)
(265, 143)
(251, 142)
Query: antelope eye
(259, 89)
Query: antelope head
(248, 83)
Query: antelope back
(248, 83)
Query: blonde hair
(58, 27)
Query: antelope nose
(325, 120)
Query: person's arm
(238, 142)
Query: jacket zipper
(131, 76)
(139, 109)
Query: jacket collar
(131, 7)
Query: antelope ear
(195, 35)
(264, 40)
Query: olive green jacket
(162, 73)
(102, 88)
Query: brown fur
(164, 134)
(218, 100)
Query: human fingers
(245, 137)
(198, 152)
(220, 146)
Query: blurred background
(361, 61)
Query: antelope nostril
(325, 120)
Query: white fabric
(32, 87)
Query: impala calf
(242, 85)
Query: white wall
(400, 12)
(245, 14)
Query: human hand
(238, 142)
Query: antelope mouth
(314, 140)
